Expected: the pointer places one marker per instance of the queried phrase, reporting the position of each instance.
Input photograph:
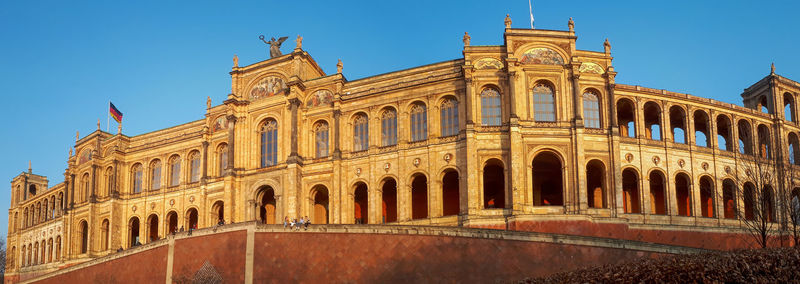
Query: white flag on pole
(530, 9)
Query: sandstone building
(529, 131)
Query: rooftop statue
(274, 45)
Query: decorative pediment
(320, 97)
(589, 67)
(488, 63)
(542, 55)
(267, 87)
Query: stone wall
(249, 252)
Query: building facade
(529, 130)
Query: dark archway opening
(389, 198)
(494, 187)
(361, 204)
(630, 191)
(450, 196)
(153, 228)
(683, 195)
(658, 202)
(267, 208)
(595, 185)
(419, 197)
(547, 180)
(320, 205)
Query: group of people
(294, 224)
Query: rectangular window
(591, 113)
(543, 107)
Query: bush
(774, 265)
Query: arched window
(490, 107)
(729, 198)
(174, 170)
(419, 122)
(321, 139)
(626, 114)
(764, 142)
(701, 129)
(707, 197)
(788, 107)
(155, 174)
(269, 143)
(360, 133)
(389, 128)
(449, 117)
(745, 138)
(87, 182)
(652, 121)
(794, 149)
(543, 103)
(677, 120)
(591, 109)
(724, 141)
(194, 173)
(222, 154)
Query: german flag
(115, 112)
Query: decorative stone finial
(607, 46)
(235, 61)
(466, 39)
(30, 169)
(119, 128)
(208, 102)
(70, 152)
(772, 68)
(571, 25)
(77, 135)
(299, 42)
(339, 67)
(508, 21)
(98, 124)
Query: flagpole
(108, 117)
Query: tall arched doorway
(683, 194)
(450, 196)
(595, 184)
(707, 197)
(172, 222)
(630, 191)
(84, 230)
(494, 186)
(133, 231)
(547, 180)
(217, 212)
(320, 212)
(389, 200)
(729, 198)
(361, 204)
(419, 197)
(191, 218)
(152, 228)
(658, 202)
(267, 208)
(104, 231)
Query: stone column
(72, 191)
(205, 162)
(231, 144)
(93, 196)
(337, 152)
(294, 156)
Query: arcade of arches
(531, 130)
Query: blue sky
(62, 61)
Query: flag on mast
(114, 112)
(530, 9)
